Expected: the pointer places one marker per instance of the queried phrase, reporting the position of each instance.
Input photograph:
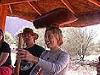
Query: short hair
(57, 31)
(30, 31)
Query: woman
(5, 56)
(53, 62)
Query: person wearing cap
(29, 38)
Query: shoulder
(64, 55)
(44, 53)
(62, 51)
(5, 44)
(39, 47)
(5, 47)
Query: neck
(55, 49)
(29, 45)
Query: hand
(25, 55)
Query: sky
(14, 25)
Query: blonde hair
(57, 32)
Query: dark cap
(30, 31)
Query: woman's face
(1, 35)
(51, 40)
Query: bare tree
(77, 41)
(9, 38)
